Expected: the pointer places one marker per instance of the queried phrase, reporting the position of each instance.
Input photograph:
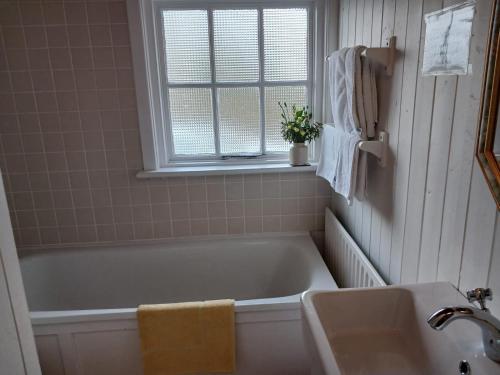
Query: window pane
(236, 45)
(285, 44)
(186, 46)
(192, 121)
(239, 120)
(289, 94)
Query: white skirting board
(345, 260)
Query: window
(214, 74)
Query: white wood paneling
(429, 215)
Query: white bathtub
(83, 300)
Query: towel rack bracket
(378, 148)
(384, 56)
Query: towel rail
(378, 148)
(384, 56)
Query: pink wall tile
(217, 226)
(181, 228)
(253, 224)
(53, 13)
(199, 227)
(235, 225)
(271, 224)
(35, 37)
(31, 13)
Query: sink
(384, 331)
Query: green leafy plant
(297, 125)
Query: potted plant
(297, 127)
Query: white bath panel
(49, 354)
(269, 341)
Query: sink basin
(384, 331)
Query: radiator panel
(346, 261)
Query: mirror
(488, 136)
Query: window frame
(152, 90)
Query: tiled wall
(69, 142)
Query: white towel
(341, 106)
(354, 68)
(339, 160)
(369, 97)
(354, 110)
(368, 106)
(329, 155)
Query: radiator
(347, 263)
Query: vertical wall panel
(442, 119)
(420, 140)
(410, 65)
(461, 159)
(479, 234)
(390, 91)
(343, 25)
(427, 216)
(351, 35)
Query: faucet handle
(480, 295)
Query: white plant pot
(298, 154)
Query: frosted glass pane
(289, 94)
(236, 45)
(285, 44)
(192, 121)
(239, 120)
(186, 46)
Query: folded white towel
(354, 68)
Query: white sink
(384, 331)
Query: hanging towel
(354, 109)
(338, 160)
(187, 338)
(339, 153)
(354, 69)
(340, 103)
(367, 104)
(329, 156)
(369, 96)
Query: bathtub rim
(42, 318)
(29, 251)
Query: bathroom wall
(429, 215)
(69, 142)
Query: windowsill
(214, 170)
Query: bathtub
(83, 300)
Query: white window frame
(150, 84)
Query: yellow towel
(187, 338)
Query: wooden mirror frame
(489, 108)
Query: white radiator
(347, 263)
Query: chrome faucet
(490, 326)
